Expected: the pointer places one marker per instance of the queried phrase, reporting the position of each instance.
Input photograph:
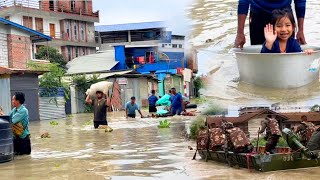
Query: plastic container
(6, 140)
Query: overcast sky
(132, 11)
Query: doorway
(52, 30)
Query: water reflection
(213, 34)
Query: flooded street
(136, 149)
(214, 26)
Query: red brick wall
(79, 5)
(65, 5)
(19, 51)
(45, 5)
(90, 7)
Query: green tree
(198, 84)
(52, 80)
(51, 54)
(315, 108)
(83, 83)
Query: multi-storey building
(70, 23)
(15, 75)
(150, 49)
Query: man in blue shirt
(176, 103)
(152, 102)
(131, 108)
(260, 16)
(20, 114)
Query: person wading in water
(100, 105)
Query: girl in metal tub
(280, 34)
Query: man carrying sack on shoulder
(100, 104)
(20, 121)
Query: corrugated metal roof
(130, 26)
(68, 79)
(92, 63)
(39, 36)
(109, 74)
(6, 70)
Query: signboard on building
(122, 81)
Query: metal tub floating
(283, 71)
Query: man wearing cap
(100, 105)
(131, 108)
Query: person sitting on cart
(273, 133)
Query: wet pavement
(136, 149)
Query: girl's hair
(281, 13)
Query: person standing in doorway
(260, 16)
(176, 103)
(100, 105)
(20, 119)
(131, 108)
(152, 102)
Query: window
(39, 24)
(27, 22)
(75, 27)
(69, 53)
(82, 27)
(163, 45)
(73, 5)
(85, 8)
(68, 29)
(174, 45)
(51, 5)
(150, 57)
(180, 45)
(77, 51)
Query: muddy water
(214, 25)
(136, 149)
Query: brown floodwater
(214, 26)
(136, 149)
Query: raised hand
(270, 35)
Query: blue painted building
(149, 49)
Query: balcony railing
(47, 6)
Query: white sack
(102, 86)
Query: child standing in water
(280, 34)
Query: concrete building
(69, 23)
(132, 34)
(127, 82)
(15, 75)
(150, 49)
